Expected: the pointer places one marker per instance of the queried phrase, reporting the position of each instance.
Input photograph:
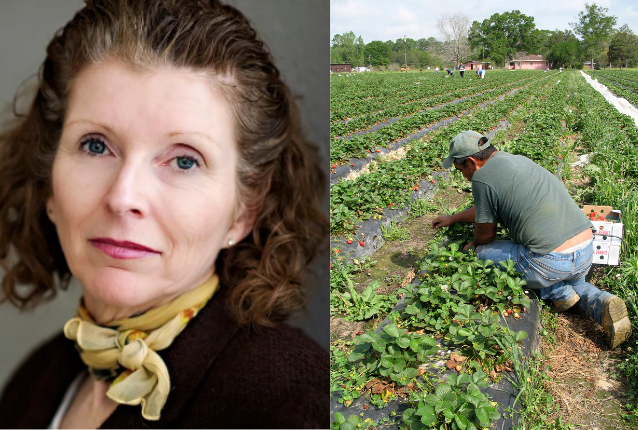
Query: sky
(390, 20)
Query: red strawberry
(349, 241)
(331, 265)
(559, 156)
(391, 204)
(351, 165)
(337, 251)
(362, 243)
(344, 385)
(334, 166)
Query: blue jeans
(556, 276)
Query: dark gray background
(297, 33)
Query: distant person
(481, 73)
(437, 70)
(462, 70)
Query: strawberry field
(426, 336)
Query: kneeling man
(551, 237)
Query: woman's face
(144, 186)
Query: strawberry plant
(365, 305)
(457, 404)
(352, 423)
(393, 353)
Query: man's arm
(484, 233)
(468, 215)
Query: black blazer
(222, 376)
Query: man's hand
(443, 221)
(469, 245)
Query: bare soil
(396, 261)
(583, 375)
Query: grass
(394, 231)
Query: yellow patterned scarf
(126, 349)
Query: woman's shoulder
(284, 351)
(36, 388)
(269, 378)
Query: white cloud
(387, 20)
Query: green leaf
(483, 416)
(410, 373)
(399, 365)
(520, 335)
(354, 419)
(428, 418)
(403, 341)
(464, 332)
(432, 399)
(387, 362)
(415, 345)
(452, 379)
(464, 378)
(339, 418)
(392, 329)
(461, 421)
(478, 375)
(442, 406)
(355, 356)
(347, 426)
(441, 390)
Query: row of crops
(390, 182)
(412, 116)
(460, 301)
(622, 83)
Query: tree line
(499, 39)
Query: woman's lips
(122, 250)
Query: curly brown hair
(277, 172)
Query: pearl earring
(231, 242)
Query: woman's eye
(95, 146)
(185, 162)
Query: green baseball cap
(464, 144)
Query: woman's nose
(128, 191)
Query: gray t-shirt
(527, 199)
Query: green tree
(378, 53)
(594, 27)
(623, 47)
(502, 35)
(347, 48)
(565, 50)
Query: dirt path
(583, 376)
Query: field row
(459, 301)
(357, 146)
(390, 182)
(368, 93)
(618, 88)
(398, 108)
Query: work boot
(607, 310)
(616, 321)
(563, 305)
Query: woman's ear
(50, 205)
(242, 226)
